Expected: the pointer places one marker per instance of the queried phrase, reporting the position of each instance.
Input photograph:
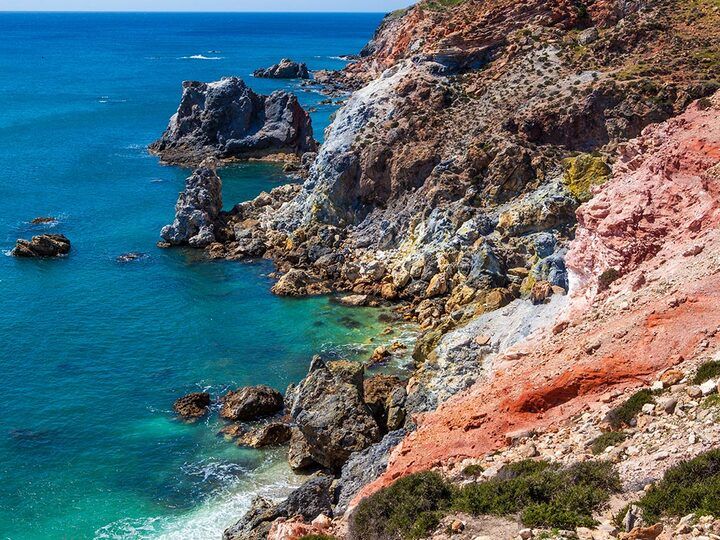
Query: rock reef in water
(227, 120)
(285, 69)
(197, 209)
(41, 246)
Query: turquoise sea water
(95, 351)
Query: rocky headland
(535, 185)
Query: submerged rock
(285, 69)
(44, 245)
(43, 220)
(329, 411)
(192, 405)
(197, 209)
(226, 119)
(251, 403)
(130, 256)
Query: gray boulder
(226, 119)
(329, 411)
(285, 69)
(44, 245)
(197, 209)
(309, 501)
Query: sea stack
(227, 120)
(197, 209)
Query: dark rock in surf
(44, 245)
(193, 405)
(309, 501)
(285, 69)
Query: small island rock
(44, 245)
(285, 69)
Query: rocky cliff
(535, 184)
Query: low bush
(611, 438)
(622, 415)
(410, 508)
(606, 278)
(473, 470)
(544, 494)
(707, 371)
(689, 487)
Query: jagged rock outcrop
(364, 467)
(43, 245)
(309, 501)
(197, 209)
(227, 120)
(328, 409)
(251, 403)
(285, 69)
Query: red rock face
(656, 222)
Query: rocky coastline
(535, 187)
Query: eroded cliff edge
(452, 182)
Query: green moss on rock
(582, 172)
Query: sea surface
(94, 351)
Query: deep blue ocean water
(94, 351)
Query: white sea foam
(212, 517)
(201, 57)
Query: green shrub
(410, 508)
(707, 371)
(606, 278)
(611, 438)
(544, 494)
(711, 401)
(473, 470)
(622, 415)
(691, 486)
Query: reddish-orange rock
(664, 197)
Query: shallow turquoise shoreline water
(95, 351)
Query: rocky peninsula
(535, 185)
